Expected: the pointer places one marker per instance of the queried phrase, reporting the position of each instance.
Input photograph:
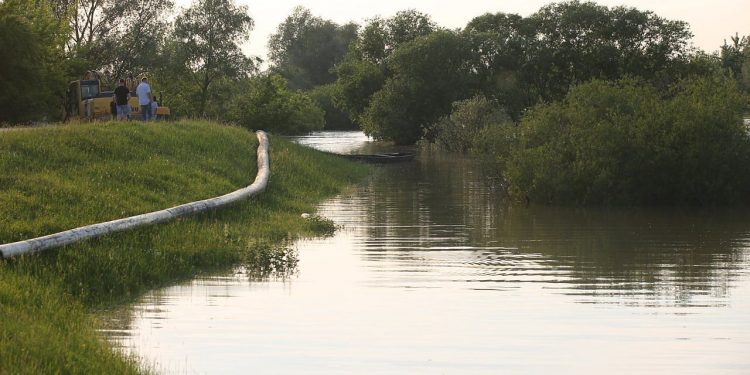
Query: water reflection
(443, 213)
(433, 272)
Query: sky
(711, 21)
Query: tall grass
(57, 178)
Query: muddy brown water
(433, 272)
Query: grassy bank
(57, 178)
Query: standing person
(154, 106)
(144, 98)
(120, 97)
(113, 109)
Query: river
(432, 272)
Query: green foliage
(44, 331)
(622, 143)
(305, 48)
(209, 35)
(357, 81)
(57, 178)
(388, 118)
(496, 142)
(191, 81)
(428, 75)
(459, 131)
(31, 72)
(363, 71)
(267, 103)
(335, 119)
(392, 92)
(170, 82)
(580, 41)
(120, 38)
(735, 57)
(702, 64)
(380, 37)
(500, 45)
(522, 61)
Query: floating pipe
(95, 230)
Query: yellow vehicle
(87, 101)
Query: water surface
(432, 272)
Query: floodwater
(432, 272)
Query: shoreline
(134, 168)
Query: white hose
(95, 230)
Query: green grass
(58, 178)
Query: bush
(622, 143)
(428, 75)
(335, 118)
(497, 141)
(269, 105)
(31, 69)
(458, 132)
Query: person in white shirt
(144, 98)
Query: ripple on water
(432, 272)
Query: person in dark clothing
(121, 96)
(113, 109)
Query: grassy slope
(57, 178)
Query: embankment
(57, 178)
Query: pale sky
(711, 21)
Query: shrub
(32, 67)
(622, 143)
(498, 141)
(268, 104)
(458, 132)
(335, 118)
(429, 73)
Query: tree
(458, 131)
(208, 35)
(624, 143)
(380, 37)
(499, 44)
(522, 61)
(32, 67)
(363, 71)
(113, 37)
(335, 118)
(133, 38)
(428, 75)
(305, 48)
(576, 42)
(357, 81)
(265, 102)
(734, 57)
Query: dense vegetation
(57, 178)
(626, 143)
(30, 76)
(393, 77)
(623, 142)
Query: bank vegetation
(61, 177)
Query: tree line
(577, 103)
(393, 77)
(505, 86)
